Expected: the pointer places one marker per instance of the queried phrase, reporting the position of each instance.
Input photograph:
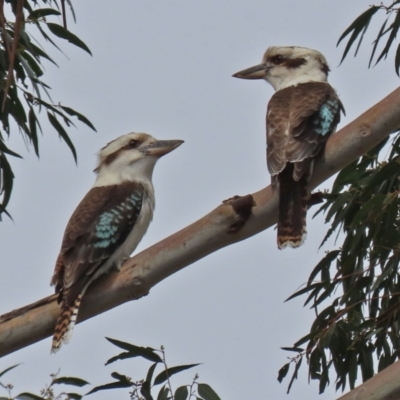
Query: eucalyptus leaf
(63, 33)
(207, 392)
(163, 376)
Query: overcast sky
(164, 67)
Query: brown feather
(80, 257)
(293, 141)
(290, 134)
(65, 323)
(293, 200)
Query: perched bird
(301, 115)
(108, 223)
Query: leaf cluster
(21, 82)
(358, 333)
(48, 392)
(388, 30)
(142, 389)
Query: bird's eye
(133, 144)
(278, 59)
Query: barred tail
(65, 324)
(293, 201)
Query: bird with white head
(301, 115)
(108, 223)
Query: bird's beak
(161, 147)
(257, 72)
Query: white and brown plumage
(301, 115)
(109, 222)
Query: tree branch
(383, 386)
(227, 224)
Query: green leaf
(283, 372)
(295, 349)
(394, 27)
(207, 392)
(305, 290)
(163, 393)
(38, 52)
(359, 25)
(42, 12)
(145, 390)
(8, 369)
(6, 184)
(133, 351)
(378, 38)
(108, 386)
(324, 263)
(181, 393)
(63, 33)
(32, 127)
(63, 134)
(72, 9)
(163, 376)
(35, 68)
(147, 383)
(397, 60)
(121, 378)
(28, 396)
(81, 117)
(67, 380)
(294, 376)
(74, 396)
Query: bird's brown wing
(98, 226)
(299, 121)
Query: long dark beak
(161, 147)
(257, 72)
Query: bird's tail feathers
(293, 201)
(65, 324)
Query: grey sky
(165, 68)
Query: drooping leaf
(145, 392)
(32, 127)
(207, 392)
(376, 42)
(397, 61)
(42, 12)
(63, 134)
(28, 396)
(121, 378)
(133, 351)
(74, 396)
(394, 28)
(357, 27)
(163, 393)
(181, 393)
(8, 369)
(146, 385)
(164, 375)
(294, 376)
(68, 380)
(283, 372)
(63, 33)
(81, 117)
(108, 386)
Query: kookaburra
(108, 223)
(301, 115)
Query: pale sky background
(164, 67)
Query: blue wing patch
(114, 224)
(326, 118)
